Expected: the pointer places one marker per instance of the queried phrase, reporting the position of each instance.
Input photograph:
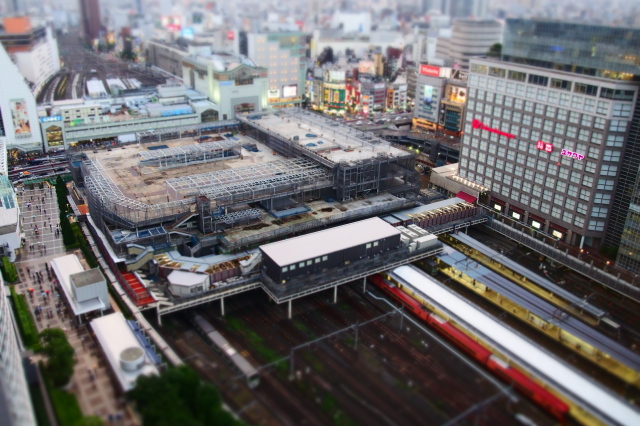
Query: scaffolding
(225, 182)
(190, 131)
(179, 156)
(107, 202)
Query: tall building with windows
(552, 129)
(33, 50)
(283, 53)
(15, 402)
(90, 19)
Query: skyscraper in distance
(90, 15)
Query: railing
(305, 286)
(616, 283)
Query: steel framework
(225, 182)
(190, 154)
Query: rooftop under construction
(288, 168)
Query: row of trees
(179, 397)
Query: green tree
(178, 396)
(495, 51)
(128, 55)
(60, 360)
(89, 421)
(9, 271)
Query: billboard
(172, 23)
(430, 70)
(20, 117)
(427, 96)
(456, 93)
(273, 93)
(187, 33)
(290, 91)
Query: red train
(545, 399)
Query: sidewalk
(91, 381)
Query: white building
(33, 50)
(283, 53)
(18, 108)
(183, 283)
(40, 63)
(15, 402)
(10, 220)
(85, 291)
(127, 358)
(469, 38)
(352, 22)
(234, 83)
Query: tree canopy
(495, 51)
(60, 361)
(179, 397)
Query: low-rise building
(119, 118)
(234, 84)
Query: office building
(33, 50)
(15, 402)
(90, 19)
(604, 51)
(549, 144)
(234, 83)
(283, 54)
(629, 251)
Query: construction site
(273, 175)
(203, 204)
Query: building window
(516, 75)
(608, 170)
(603, 108)
(618, 126)
(593, 152)
(621, 95)
(285, 269)
(599, 212)
(538, 80)
(582, 208)
(578, 221)
(601, 198)
(301, 265)
(497, 72)
(325, 258)
(586, 89)
(596, 225)
(621, 110)
(292, 267)
(615, 141)
(610, 155)
(317, 260)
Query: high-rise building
(464, 8)
(33, 50)
(18, 114)
(90, 17)
(283, 53)
(15, 402)
(629, 251)
(553, 129)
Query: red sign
(430, 70)
(544, 146)
(230, 35)
(477, 124)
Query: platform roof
(331, 240)
(564, 376)
(114, 336)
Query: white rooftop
(115, 336)
(186, 279)
(64, 267)
(317, 244)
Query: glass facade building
(602, 51)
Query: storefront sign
(516, 215)
(477, 124)
(179, 111)
(430, 70)
(536, 224)
(572, 154)
(49, 119)
(548, 147)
